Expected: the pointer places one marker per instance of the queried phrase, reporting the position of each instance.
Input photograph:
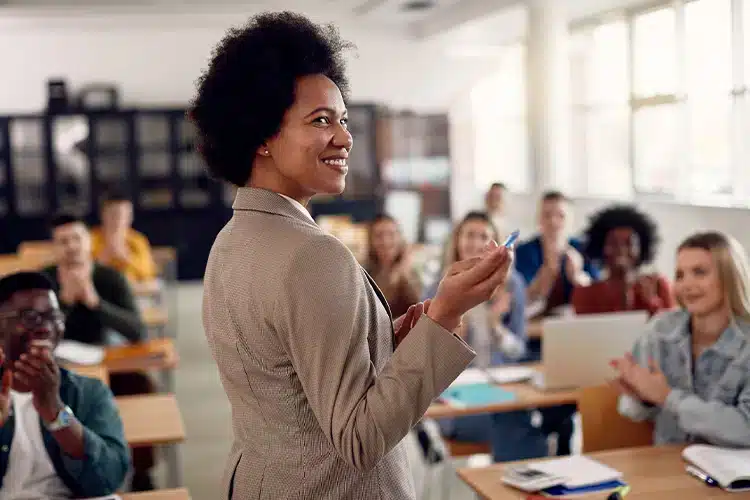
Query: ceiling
(474, 22)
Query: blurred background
(605, 100)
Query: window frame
(738, 96)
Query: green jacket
(102, 471)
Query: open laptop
(576, 350)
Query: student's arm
(142, 259)
(718, 423)
(363, 413)
(512, 335)
(104, 464)
(631, 406)
(117, 307)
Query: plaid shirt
(709, 402)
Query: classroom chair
(603, 428)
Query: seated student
(100, 309)
(116, 244)
(60, 433)
(551, 263)
(690, 372)
(390, 265)
(496, 330)
(622, 239)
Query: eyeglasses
(31, 318)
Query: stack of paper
(578, 470)
(79, 353)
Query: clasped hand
(37, 371)
(647, 384)
(76, 285)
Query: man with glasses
(60, 433)
(100, 309)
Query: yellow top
(139, 266)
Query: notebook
(729, 467)
(496, 374)
(564, 492)
(79, 353)
(476, 394)
(578, 471)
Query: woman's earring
(265, 152)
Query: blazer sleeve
(324, 316)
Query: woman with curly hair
(323, 384)
(623, 239)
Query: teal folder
(479, 394)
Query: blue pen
(701, 476)
(512, 238)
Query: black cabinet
(66, 161)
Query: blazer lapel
(382, 300)
(380, 295)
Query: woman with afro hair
(622, 239)
(323, 384)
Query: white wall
(155, 57)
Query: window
(680, 131)
(600, 131)
(499, 113)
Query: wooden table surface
(151, 419)
(527, 397)
(176, 494)
(653, 473)
(155, 354)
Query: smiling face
(473, 237)
(72, 244)
(26, 316)
(309, 154)
(386, 241)
(698, 285)
(622, 249)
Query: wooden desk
(654, 473)
(156, 354)
(177, 494)
(527, 397)
(151, 419)
(92, 371)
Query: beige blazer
(304, 344)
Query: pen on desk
(701, 476)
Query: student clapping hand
(38, 371)
(647, 384)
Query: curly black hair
(249, 85)
(601, 223)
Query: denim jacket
(707, 404)
(107, 457)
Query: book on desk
(563, 477)
(730, 468)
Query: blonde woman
(496, 330)
(690, 372)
